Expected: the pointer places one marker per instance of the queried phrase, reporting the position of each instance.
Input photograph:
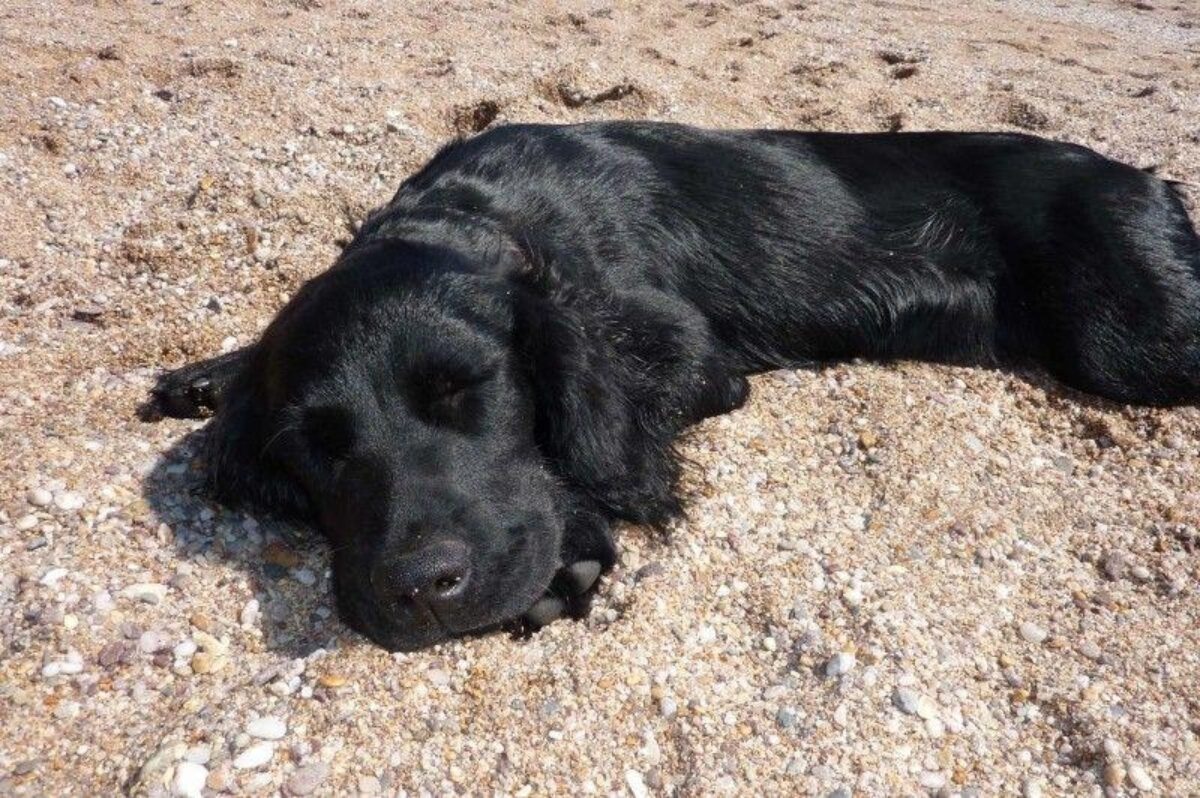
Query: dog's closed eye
(451, 398)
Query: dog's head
(458, 434)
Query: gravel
(307, 779)
(254, 756)
(1139, 778)
(189, 780)
(892, 579)
(1032, 633)
(68, 501)
(266, 728)
(148, 593)
(840, 664)
(910, 702)
(39, 497)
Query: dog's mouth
(569, 595)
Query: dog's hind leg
(195, 390)
(1112, 295)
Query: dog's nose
(436, 572)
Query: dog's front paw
(195, 390)
(570, 594)
(184, 393)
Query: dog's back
(966, 247)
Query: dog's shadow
(286, 565)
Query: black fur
(506, 351)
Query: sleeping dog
(494, 370)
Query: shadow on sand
(289, 579)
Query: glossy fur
(506, 351)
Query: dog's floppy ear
(241, 469)
(594, 362)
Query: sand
(892, 580)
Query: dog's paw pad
(545, 611)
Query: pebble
(257, 783)
(67, 710)
(202, 622)
(637, 784)
(220, 779)
(1139, 778)
(111, 654)
(68, 500)
(51, 577)
(1116, 564)
(189, 779)
(255, 756)
(1031, 788)
(1114, 774)
(27, 522)
(39, 497)
(933, 780)
(1032, 633)
(147, 592)
(267, 727)
(210, 643)
(151, 641)
(369, 785)
(841, 663)
(307, 778)
(785, 717)
(250, 613)
(910, 702)
(278, 553)
(207, 662)
(70, 666)
(200, 754)
(649, 571)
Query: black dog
(496, 367)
